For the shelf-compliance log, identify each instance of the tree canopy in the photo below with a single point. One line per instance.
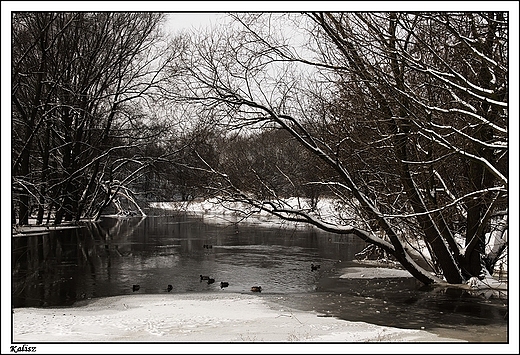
(407, 112)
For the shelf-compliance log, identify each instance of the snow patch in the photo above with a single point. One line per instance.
(229, 317)
(372, 273)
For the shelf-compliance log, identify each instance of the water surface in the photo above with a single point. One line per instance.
(108, 258)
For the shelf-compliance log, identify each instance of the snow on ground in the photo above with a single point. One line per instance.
(197, 317)
(33, 229)
(218, 322)
(372, 272)
(215, 208)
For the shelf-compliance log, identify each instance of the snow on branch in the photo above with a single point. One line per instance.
(440, 140)
(452, 110)
(453, 203)
(470, 43)
(499, 145)
(461, 210)
(443, 77)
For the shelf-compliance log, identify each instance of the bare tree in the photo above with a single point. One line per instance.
(409, 110)
(79, 82)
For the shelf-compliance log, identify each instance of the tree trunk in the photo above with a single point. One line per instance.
(44, 176)
(65, 207)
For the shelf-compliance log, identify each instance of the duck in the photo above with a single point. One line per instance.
(203, 278)
(314, 267)
(224, 284)
(207, 246)
(256, 289)
(210, 281)
(135, 288)
(170, 287)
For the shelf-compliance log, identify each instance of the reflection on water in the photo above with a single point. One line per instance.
(405, 303)
(107, 258)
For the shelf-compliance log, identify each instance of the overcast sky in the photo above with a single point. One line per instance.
(180, 21)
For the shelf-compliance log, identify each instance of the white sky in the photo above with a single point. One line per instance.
(190, 20)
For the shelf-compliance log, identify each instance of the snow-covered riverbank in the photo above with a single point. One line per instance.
(217, 322)
(215, 207)
(215, 317)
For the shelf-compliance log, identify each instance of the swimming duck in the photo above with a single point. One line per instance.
(207, 246)
(314, 267)
(203, 278)
(256, 289)
(135, 288)
(170, 287)
(210, 281)
(224, 284)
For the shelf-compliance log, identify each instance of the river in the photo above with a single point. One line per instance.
(107, 258)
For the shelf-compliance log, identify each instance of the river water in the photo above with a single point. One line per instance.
(108, 258)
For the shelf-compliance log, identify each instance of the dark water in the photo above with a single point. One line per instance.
(107, 258)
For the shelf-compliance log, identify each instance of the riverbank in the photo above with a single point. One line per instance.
(212, 321)
(196, 317)
(216, 318)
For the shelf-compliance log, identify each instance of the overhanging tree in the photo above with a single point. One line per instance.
(408, 110)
